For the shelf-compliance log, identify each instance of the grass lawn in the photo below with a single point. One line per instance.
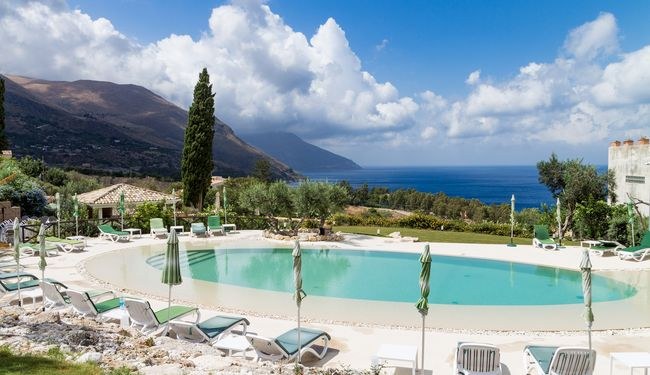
(50, 364)
(428, 235)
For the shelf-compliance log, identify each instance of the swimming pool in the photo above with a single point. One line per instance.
(393, 276)
(248, 276)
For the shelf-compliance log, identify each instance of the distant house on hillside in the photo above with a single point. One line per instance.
(107, 199)
(630, 162)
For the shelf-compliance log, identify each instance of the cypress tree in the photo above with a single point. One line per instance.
(4, 144)
(196, 163)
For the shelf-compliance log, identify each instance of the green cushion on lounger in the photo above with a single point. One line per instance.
(110, 304)
(174, 312)
(289, 340)
(11, 287)
(543, 355)
(217, 324)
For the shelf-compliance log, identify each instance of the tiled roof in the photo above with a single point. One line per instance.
(132, 194)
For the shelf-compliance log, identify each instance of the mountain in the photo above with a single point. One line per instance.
(300, 155)
(106, 127)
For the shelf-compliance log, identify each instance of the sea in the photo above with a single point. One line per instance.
(489, 184)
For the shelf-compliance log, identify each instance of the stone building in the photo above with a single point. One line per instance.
(630, 162)
(106, 200)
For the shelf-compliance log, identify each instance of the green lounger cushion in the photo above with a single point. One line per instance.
(214, 222)
(174, 312)
(12, 287)
(543, 355)
(547, 241)
(288, 341)
(107, 305)
(63, 240)
(106, 228)
(541, 233)
(217, 324)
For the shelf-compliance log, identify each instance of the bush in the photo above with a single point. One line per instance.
(148, 210)
(55, 176)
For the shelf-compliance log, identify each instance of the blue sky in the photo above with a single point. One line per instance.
(428, 43)
(381, 82)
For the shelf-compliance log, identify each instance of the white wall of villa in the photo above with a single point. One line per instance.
(630, 162)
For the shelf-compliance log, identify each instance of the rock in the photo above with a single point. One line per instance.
(395, 235)
(46, 317)
(82, 338)
(209, 363)
(93, 357)
(168, 369)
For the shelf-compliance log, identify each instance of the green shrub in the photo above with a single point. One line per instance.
(145, 211)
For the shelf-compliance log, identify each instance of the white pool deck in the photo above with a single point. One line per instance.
(355, 344)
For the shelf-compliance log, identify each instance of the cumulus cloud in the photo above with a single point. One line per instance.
(627, 81)
(574, 99)
(267, 76)
(599, 37)
(473, 77)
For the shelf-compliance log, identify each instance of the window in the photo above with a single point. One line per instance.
(635, 179)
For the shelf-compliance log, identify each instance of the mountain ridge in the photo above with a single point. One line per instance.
(113, 127)
(301, 155)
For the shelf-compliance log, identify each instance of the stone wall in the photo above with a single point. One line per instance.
(7, 212)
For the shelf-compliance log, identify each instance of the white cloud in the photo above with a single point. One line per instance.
(267, 76)
(473, 77)
(264, 73)
(599, 37)
(627, 81)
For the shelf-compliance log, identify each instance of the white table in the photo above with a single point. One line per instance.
(404, 353)
(236, 344)
(631, 360)
(178, 228)
(229, 227)
(133, 231)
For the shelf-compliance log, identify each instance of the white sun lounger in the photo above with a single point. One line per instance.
(285, 346)
(210, 330)
(563, 360)
(477, 359)
(147, 321)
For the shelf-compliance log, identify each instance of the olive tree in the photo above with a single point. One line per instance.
(319, 200)
(574, 183)
(273, 201)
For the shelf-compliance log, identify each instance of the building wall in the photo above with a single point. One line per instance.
(630, 162)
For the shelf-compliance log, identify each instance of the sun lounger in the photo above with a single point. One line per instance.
(108, 232)
(285, 346)
(91, 305)
(66, 245)
(214, 225)
(637, 253)
(197, 229)
(477, 359)
(605, 246)
(542, 239)
(10, 282)
(553, 360)
(35, 248)
(157, 227)
(148, 321)
(210, 330)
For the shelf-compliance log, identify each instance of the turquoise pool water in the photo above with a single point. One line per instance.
(390, 276)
